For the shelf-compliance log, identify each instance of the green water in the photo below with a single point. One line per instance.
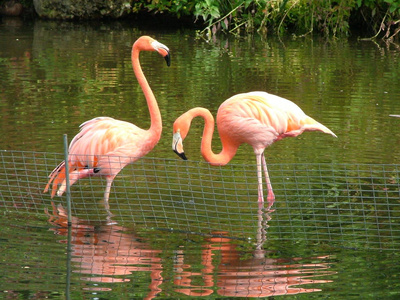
(113, 262)
(54, 76)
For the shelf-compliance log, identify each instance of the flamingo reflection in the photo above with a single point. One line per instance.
(257, 276)
(232, 272)
(110, 254)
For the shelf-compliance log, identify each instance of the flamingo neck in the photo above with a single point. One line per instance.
(155, 115)
(228, 149)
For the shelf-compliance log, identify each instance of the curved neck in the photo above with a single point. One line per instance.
(228, 149)
(155, 115)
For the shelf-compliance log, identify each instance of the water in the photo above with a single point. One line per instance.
(54, 76)
(113, 262)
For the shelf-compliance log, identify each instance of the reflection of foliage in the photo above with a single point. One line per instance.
(334, 191)
(74, 85)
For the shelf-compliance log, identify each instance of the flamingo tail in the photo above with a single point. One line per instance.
(310, 125)
(58, 177)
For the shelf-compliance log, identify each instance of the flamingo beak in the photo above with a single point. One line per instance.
(168, 59)
(163, 50)
(181, 155)
(177, 145)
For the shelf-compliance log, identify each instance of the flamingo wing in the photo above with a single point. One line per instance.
(255, 119)
(105, 136)
(259, 119)
(103, 143)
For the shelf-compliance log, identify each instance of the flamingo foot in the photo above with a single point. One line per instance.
(110, 221)
(260, 202)
(270, 198)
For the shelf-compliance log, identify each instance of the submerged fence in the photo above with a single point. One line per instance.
(355, 205)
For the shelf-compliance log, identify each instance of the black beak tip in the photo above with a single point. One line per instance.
(181, 155)
(168, 59)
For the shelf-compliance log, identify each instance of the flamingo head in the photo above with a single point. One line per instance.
(177, 145)
(146, 43)
(180, 131)
(162, 50)
(182, 125)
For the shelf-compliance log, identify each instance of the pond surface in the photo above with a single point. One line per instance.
(54, 76)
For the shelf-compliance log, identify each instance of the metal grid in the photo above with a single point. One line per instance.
(337, 204)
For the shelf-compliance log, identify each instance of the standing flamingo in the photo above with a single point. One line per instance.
(255, 118)
(104, 146)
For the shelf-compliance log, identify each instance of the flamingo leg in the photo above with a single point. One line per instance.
(259, 178)
(109, 180)
(271, 196)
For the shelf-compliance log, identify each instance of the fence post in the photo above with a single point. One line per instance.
(68, 191)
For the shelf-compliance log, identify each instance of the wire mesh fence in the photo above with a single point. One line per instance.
(340, 204)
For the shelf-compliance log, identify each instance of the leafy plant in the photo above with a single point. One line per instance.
(383, 16)
(329, 18)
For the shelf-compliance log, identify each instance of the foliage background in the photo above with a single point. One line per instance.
(328, 18)
(372, 18)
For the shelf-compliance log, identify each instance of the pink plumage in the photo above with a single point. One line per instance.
(256, 118)
(104, 146)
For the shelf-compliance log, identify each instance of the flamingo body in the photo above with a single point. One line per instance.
(104, 136)
(256, 118)
(104, 146)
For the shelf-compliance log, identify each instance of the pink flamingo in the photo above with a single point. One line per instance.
(255, 118)
(104, 146)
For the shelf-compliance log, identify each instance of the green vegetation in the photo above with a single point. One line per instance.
(379, 18)
(331, 18)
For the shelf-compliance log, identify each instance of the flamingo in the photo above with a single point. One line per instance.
(255, 118)
(104, 146)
